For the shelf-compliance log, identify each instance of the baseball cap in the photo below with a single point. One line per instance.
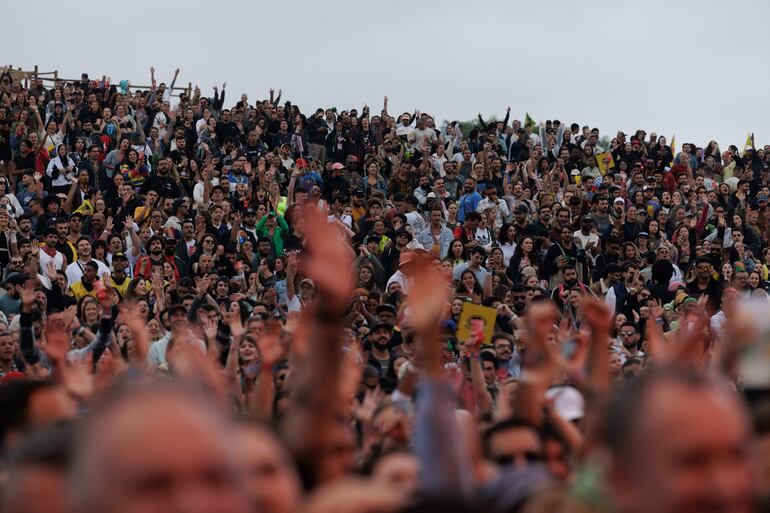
(522, 209)
(15, 279)
(336, 166)
(120, 255)
(380, 325)
(308, 282)
(619, 200)
(567, 401)
(402, 232)
(386, 308)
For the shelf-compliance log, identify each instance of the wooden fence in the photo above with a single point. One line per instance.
(53, 76)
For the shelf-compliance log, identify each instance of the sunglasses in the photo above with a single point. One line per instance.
(508, 459)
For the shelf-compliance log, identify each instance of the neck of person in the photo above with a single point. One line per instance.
(380, 354)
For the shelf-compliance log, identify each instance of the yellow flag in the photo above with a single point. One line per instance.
(748, 144)
(673, 149)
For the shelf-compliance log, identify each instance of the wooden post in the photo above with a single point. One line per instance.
(35, 72)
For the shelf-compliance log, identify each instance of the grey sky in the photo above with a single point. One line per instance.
(697, 69)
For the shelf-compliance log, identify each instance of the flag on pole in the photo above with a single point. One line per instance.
(748, 144)
(673, 149)
(529, 121)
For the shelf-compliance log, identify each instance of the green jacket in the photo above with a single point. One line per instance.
(279, 235)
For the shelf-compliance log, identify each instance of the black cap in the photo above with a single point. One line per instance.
(15, 279)
(387, 308)
(120, 255)
(403, 232)
(379, 324)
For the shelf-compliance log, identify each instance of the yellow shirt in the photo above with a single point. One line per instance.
(121, 288)
(79, 291)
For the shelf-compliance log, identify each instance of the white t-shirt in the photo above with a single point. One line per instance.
(74, 271)
(58, 260)
(585, 240)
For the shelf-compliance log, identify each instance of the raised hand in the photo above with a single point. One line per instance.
(233, 320)
(210, 329)
(57, 343)
(269, 344)
(28, 295)
(330, 263)
(50, 271)
(135, 321)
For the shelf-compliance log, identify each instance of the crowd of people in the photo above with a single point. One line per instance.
(216, 305)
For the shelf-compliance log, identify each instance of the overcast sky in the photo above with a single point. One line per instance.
(698, 69)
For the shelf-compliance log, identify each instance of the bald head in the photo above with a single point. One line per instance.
(157, 450)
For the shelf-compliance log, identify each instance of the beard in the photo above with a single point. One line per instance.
(380, 344)
(570, 283)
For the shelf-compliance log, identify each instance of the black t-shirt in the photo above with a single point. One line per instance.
(5, 140)
(27, 162)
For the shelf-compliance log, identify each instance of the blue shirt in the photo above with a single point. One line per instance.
(467, 203)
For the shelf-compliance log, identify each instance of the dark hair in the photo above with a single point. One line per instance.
(502, 236)
(15, 397)
(504, 425)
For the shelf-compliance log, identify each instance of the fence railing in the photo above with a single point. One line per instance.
(53, 77)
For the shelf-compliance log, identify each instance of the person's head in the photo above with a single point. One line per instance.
(380, 335)
(37, 471)
(155, 245)
(472, 220)
(629, 335)
(478, 255)
(667, 453)
(83, 247)
(570, 276)
(90, 272)
(186, 462)
(178, 316)
(270, 478)
(513, 442)
(503, 347)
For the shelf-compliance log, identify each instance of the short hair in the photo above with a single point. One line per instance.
(630, 324)
(478, 251)
(504, 425)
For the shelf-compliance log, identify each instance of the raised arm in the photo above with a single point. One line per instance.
(312, 416)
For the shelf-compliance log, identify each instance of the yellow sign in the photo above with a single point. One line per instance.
(605, 162)
(473, 313)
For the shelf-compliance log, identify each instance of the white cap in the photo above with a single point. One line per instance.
(567, 401)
